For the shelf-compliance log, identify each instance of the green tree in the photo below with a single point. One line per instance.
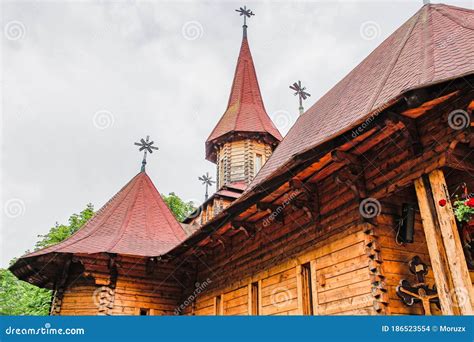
(21, 298)
(61, 232)
(178, 207)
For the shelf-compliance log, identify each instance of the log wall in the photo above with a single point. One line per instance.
(340, 280)
(235, 160)
(395, 257)
(138, 289)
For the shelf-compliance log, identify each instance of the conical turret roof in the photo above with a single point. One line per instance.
(245, 113)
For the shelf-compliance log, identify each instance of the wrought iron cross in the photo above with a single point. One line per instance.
(206, 180)
(246, 13)
(302, 94)
(145, 146)
(420, 291)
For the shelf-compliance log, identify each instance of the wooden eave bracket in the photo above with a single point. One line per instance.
(220, 239)
(150, 265)
(352, 175)
(272, 208)
(309, 201)
(410, 132)
(247, 228)
(113, 270)
(459, 158)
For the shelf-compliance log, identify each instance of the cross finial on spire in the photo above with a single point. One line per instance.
(145, 146)
(247, 13)
(206, 180)
(302, 94)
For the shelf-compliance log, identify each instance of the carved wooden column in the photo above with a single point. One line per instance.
(444, 246)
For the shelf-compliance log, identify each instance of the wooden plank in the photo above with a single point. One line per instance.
(314, 287)
(452, 243)
(299, 287)
(435, 247)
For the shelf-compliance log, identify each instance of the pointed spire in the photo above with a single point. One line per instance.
(245, 113)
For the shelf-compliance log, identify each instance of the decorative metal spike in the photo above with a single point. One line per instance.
(302, 94)
(146, 146)
(207, 181)
(246, 13)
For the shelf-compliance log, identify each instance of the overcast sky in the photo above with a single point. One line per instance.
(82, 81)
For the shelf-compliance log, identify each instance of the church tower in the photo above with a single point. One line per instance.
(245, 137)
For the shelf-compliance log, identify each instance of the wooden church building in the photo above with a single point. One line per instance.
(351, 213)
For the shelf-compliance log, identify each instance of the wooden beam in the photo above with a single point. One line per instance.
(272, 208)
(435, 246)
(339, 156)
(463, 289)
(410, 132)
(248, 228)
(355, 182)
(220, 239)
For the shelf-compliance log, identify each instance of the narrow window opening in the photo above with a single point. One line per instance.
(219, 305)
(254, 288)
(258, 162)
(144, 312)
(307, 289)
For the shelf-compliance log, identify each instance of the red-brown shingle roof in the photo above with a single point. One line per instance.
(434, 45)
(245, 111)
(136, 221)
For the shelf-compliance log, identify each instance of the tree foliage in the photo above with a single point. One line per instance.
(178, 207)
(21, 298)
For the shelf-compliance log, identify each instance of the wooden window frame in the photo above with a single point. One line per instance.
(219, 305)
(254, 298)
(307, 288)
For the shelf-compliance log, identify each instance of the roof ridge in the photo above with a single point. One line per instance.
(253, 97)
(426, 43)
(442, 10)
(129, 210)
(394, 60)
(160, 202)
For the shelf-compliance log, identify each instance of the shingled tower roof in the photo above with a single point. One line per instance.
(136, 221)
(245, 113)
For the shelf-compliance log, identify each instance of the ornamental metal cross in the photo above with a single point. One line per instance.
(420, 291)
(247, 13)
(145, 146)
(302, 94)
(206, 180)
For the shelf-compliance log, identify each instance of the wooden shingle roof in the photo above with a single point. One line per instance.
(136, 221)
(435, 45)
(245, 111)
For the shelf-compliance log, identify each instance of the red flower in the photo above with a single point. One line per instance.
(442, 202)
(470, 202)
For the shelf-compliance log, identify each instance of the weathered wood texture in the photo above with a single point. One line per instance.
(396, 255)
(359, 277)
(151, 288)
(340, 259)
(235, 160)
